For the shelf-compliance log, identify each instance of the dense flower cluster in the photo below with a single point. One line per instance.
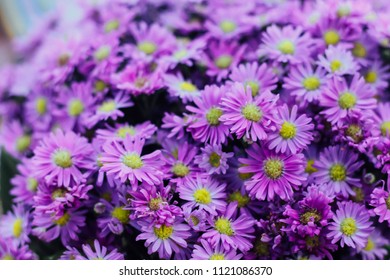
(201, 130)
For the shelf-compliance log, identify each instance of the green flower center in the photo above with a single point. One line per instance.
(355, 132)
(75, 107)
(223, 226)
(331, 37)
(348, 226)
(359, 195)
(311, 215)
(140, 82)
(17, 229)
(388, 202)
(63, 220)
(337, 172)
(251, 112)
(311, 83)
(180, 54)
(371, 77)
(180, 170)
(102, 53)
(154, 203)
(126, 130)
(224, 61)
(312, 242)
(62, 158)
(107, 106)
(261, 248)
(41, 105)
(194, 220)
(286, 47)
(215, 159)
(335, 65)
(242, 200)
(202, 196)
(32, 184)
(359, 50)
(217, 257)
(255, 87)
(288, 130)
(370, 245)
(273, 168)
(58, 193)
(23, 143)
(147, 47)
(100, 86)
(111, 25)
(163, 232)
(7, 257)
(213, 116)
(121, 214)
(385, 128)
(132, 160)
(189, 87)
(347, 100)
(63, 59)
(227, 26)
(310, 169)
(343, 11)
(244, 176)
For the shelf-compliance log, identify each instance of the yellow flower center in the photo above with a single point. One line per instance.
(111, 25)
(337, 172)
(355, 132)
(311, 215)
(180, 54)
(62, 158)
(348, 226)
(371, 77)
(107, 106)
(63, 220)
(100, 86)
(331, 37)
(255, 87)
(347, 100)
(180, 170)
(132, 160)
(213, 116)
(359, 195)
(244, 176)
(17, 228)
(286, 47)
(311, 83)
(154, 203)
(147, 47)
(202, 196)
(189, 87)
(23, 143)
(388, 202)
(194, 220)
(335, 65)
(63, 59)
(126, 130)
(217, 257)
(288, 130)
(359, 50)
(41, 105)
(215, 159)
(227, 26)
(309, 167)
(224, 61)
(7, 257)
(75, 107)
(370, 245)
(385, 128)
(32, 184)
(121, 214)
(343, 11)
(242, 200)
(102, 53)
(163, 232)
(273, 168)
(224, 226)
(251, 112)
(58, 193)
(312, 242)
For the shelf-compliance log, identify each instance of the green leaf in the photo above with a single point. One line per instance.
(7, 171)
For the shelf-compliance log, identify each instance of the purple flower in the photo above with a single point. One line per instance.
(351, 225)
(121, 131)
(179, 87)
(11, 251)
(380, 199)
(122, 160)
(25, 185)
(272, 173)
(99, 252)
(375, 247)
(337, 61)
(208, 252)
(213, 159)
(16, 225)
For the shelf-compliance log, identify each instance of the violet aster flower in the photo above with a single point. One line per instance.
(273, 173)
(123, 160)
(375, 247)
(351, 225)
(247, 115)
(293, 131)
(15, 139)
(306, 83)
(16, 225)
(311, 216)
(229, 231)
(259, 77)
(39, 108)
(207, 127)
(164, 239)
(381, 119)
(99, 252)
(380, 199)
(25, 185)
(121, 131)
(206, 251)
(336, 166)
(179, 87)
(11, 251)
(213, 159)
(341, 100)
(338, 61)
(203, 193)
(63, 157)
(177, 125)
(376, 74)
(287, 44)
